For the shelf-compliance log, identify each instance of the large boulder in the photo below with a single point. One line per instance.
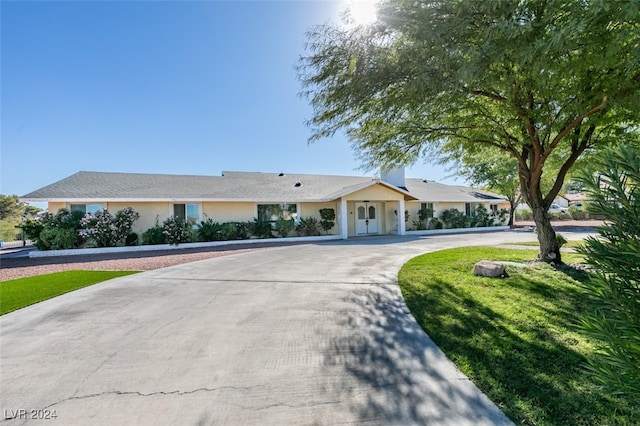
(486, 268)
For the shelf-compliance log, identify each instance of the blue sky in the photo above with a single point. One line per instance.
(161, 87)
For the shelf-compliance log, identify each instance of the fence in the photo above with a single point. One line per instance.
(14, 244)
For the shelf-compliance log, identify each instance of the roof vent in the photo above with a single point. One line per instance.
(298, 184)
(280, 174)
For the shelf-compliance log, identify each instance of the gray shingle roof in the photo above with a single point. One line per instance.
(430, 191)
(236, 186)
(231, 186)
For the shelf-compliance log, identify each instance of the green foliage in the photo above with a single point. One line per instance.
(285, 227)
(524, 214)
(55, 232)
(308, 227)
(425, 214)
(453, 218)
(514, 338)
(131, 239)
(209, 230)
(10, 207)
(327, 219)
(154, 235)
(419, 225)
(561, 240)
(540, 81)
(261, 228)
(176, 230)
(53, 238)
(18, 293)
(613, 314)
(482, 218)
(107, 230)
(435, 223)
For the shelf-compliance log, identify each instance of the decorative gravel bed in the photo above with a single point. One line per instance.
(11, 268)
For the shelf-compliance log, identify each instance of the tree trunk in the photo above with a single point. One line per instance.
(549, 248)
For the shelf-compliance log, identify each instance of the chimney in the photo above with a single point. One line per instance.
(394, 177)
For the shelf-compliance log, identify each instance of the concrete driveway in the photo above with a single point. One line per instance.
(298, 335)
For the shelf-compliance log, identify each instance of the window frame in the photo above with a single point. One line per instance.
(86, 208)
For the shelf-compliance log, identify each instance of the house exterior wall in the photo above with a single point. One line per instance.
(148, 213)
(229, 211)
(313, 210)
(374, 193)
(54, 207)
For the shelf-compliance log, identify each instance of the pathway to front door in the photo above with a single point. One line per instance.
(367, 222)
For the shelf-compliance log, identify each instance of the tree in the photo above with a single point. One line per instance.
(614, 293)
(10, 207)
(492, 169)
(536, 79)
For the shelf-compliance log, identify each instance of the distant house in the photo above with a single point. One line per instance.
(363, 205)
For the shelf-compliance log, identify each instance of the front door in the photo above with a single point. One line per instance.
(367, 221)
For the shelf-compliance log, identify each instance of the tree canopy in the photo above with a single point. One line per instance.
(534, 79)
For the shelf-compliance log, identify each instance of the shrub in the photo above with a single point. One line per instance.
(435, 223)
(131, 239)
(453, 218)
(209, 230)
(32, 228)
(261, 228)
(284, 227)
(524, 214)
(229, 231)
(176, 230)
(308, 227)
(419, 225)
(55, 238)
(243, 230)
(107, 230)
(327, 219)
(482, 217)
(154, 235)
(613, 317)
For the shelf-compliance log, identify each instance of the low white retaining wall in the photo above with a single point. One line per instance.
(458, 230)
(157, 247)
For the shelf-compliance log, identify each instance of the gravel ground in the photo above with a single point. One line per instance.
(19, 267)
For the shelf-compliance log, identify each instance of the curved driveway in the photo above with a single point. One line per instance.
(297, 335)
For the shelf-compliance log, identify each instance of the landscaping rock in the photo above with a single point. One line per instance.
(486, 268)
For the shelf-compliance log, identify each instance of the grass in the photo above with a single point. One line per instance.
(568, 244)
(21, 292)
(515, 338)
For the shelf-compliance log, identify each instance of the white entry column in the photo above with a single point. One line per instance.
(401, 223)
(343, 217)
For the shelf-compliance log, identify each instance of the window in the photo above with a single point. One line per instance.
(273, 212)
(86, 208)
(372, 212)
(187, 212)
(361, 213)
(428, 209)
(494, 208)
(467, 209)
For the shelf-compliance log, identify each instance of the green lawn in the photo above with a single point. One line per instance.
(16, 294)
(514, 337)
(568, 244)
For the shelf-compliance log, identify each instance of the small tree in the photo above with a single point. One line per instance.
(176, 230)
(614, 317)
(110, 231)
(327, 219)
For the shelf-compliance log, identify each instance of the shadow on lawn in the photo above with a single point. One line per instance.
(396, 373)
(528, 369)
